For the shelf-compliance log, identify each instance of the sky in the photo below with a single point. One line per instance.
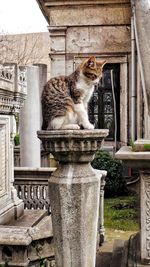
(21, 16)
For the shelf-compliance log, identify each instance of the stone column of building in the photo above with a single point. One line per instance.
(74, 190)
(45, 161)
(30, 121)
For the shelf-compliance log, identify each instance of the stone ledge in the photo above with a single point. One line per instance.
(26, 230)
(26, 245)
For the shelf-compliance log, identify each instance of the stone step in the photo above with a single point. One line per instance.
(24, 245)
(30, 218)
(104, 254)
(118, 248)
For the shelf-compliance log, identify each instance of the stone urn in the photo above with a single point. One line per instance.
(74, 190)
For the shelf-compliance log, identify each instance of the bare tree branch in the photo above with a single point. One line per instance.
(22, 49)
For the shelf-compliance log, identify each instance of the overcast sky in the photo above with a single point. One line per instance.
(21, 16)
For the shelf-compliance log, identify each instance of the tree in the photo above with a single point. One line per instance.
(22, 49)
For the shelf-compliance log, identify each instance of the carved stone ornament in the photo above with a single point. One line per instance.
(13, 88)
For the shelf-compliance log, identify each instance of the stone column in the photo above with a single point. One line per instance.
(74, 190)
(58, 50)
(42, 82)
(139, 157)
(30, 121)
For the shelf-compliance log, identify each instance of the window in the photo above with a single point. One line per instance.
(101, 106)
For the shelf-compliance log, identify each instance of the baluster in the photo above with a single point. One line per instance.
(35, 196)
(101, 209)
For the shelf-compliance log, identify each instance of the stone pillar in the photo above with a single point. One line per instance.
(139, 157)
(74, 190)
(58, 50)
(42, 82)
(30, 121)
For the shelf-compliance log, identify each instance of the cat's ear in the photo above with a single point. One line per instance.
(101, 63)
(91, 61)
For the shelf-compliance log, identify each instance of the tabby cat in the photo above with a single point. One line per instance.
(65, 98)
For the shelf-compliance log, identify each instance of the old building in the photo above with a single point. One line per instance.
(101, 28)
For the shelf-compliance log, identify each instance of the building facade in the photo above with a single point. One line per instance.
(79, 29)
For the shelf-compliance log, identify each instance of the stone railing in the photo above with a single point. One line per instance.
(32, 186)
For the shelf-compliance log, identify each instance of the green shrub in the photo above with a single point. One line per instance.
(17, 139)
(115, 182)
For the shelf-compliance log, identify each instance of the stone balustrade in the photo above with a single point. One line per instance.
(32, 186)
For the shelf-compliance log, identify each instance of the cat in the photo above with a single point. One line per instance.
(65, 98)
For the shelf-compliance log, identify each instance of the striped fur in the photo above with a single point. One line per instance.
(64, 98)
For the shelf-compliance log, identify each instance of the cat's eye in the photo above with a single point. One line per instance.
(91, 64)
(94, 76)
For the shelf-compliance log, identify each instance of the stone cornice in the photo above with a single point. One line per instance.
(52, 3)
(46, 5)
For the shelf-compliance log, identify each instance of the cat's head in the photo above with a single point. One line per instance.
(92, 69)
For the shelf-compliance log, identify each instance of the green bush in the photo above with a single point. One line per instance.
(17, 139)
(115, 182)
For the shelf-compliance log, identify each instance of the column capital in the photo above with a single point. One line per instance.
(73, 145)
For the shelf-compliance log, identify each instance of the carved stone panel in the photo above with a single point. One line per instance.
(4, 146)
(106, 39)
(145, 216)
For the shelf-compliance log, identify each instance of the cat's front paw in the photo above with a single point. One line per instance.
(88, 126)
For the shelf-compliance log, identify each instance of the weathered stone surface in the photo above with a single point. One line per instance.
(10, 205)
(134, 159)
(74, 194)
(142, 13)
(141, 160)
(74, 201)
(95, 15)
(141, 145)
(71, 145)
(30, 218)
(27, 241)
(12, 96)
(30, 121)
(98, 39)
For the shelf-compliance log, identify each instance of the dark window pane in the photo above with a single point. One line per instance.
(101, 106)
